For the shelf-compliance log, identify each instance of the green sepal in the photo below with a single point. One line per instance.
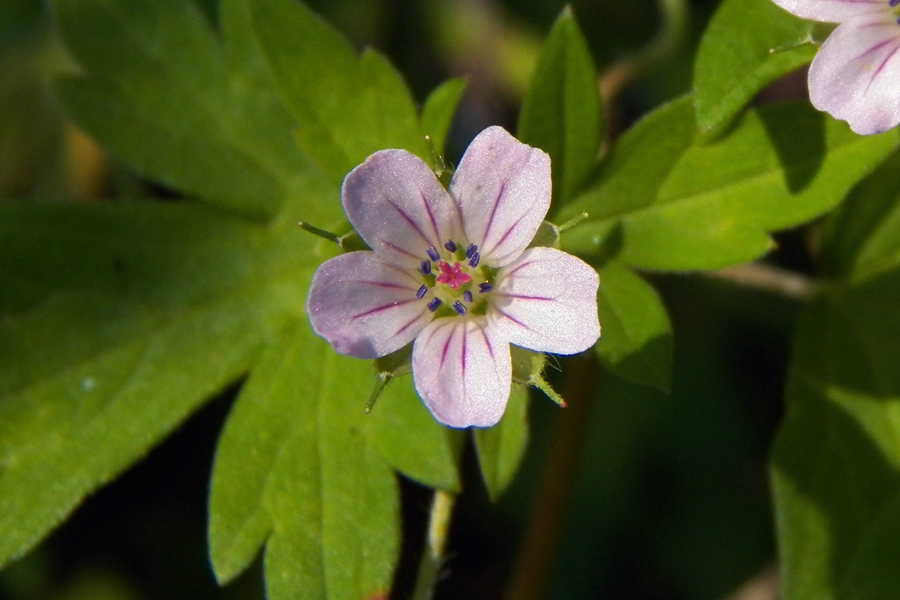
(528, 368)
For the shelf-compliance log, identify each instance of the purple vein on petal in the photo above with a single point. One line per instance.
(459, 211)
(434, 225)
(518, 268)
(405, 273)
(877, 46)
(487, 344)
(397, 248)
(490, 222)
(446, 348)
(513, 319)
(383, 285)
(521, 297)
(407, 326)
(881, 66)
(463, 352)
(504, 236)
(381, 308)
(409, 220)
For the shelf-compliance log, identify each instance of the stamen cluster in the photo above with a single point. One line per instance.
(450, 277)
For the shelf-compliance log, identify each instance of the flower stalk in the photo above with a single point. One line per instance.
(433, 556)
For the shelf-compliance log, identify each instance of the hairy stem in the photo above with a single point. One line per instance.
(433, 557)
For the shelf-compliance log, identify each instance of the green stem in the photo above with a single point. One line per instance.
(770, 279)
(319, 232)
(433, 557)
(667, 41)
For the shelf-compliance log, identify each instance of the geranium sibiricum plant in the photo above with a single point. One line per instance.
(450, 271)
(855, 76)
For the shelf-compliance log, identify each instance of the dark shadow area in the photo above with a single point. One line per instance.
(610, 245)
(655, 356)
(799, 141)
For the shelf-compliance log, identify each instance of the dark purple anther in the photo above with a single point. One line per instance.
(425, 267)
(459, 308)
(473, 260)
(433, 304)
(473, 248)
(467, 296)
(485, 287)
(450, 245)
(893, 2)
(421, 293)
(432, 254)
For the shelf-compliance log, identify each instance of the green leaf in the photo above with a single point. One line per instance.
(438, 111)
(561, 113)
(636, 340)
(346, 107)
(164, 94)
(862, 237)
(410, 440)
(663, 201)
(836, 461)
(501, 448)
(123, 320)
(295, 469)
(747, 45)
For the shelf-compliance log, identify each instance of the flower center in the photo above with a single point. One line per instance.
(452, 277)
(453, 280)
(893, 4)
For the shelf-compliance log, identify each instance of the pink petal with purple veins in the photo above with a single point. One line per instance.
(365, 307)
(855, 76)
(832, 11)
(502, 187)
(547, 301)
(462, 371)
(398, 207)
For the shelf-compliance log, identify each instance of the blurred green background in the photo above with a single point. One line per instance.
(666, 498)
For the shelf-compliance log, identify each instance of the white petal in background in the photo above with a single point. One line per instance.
(503, 190)
(855, 76)
(547, 301)
(832, 11)
(364, 307)
(462, 371)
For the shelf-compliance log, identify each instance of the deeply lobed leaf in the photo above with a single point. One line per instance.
(112, 338)
(291, 467)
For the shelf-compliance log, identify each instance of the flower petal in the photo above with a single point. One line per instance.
(502, 187)
(462, 371)
(831, 11)
(547, 301)
(398, 207)
(856, 74)
(365, 307)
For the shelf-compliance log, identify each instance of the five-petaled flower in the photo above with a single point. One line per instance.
(855, 76)
(451, 272)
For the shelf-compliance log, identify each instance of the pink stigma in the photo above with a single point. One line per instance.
(452, 276)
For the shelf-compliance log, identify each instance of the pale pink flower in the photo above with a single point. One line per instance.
(450, 272)
(855, 76)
